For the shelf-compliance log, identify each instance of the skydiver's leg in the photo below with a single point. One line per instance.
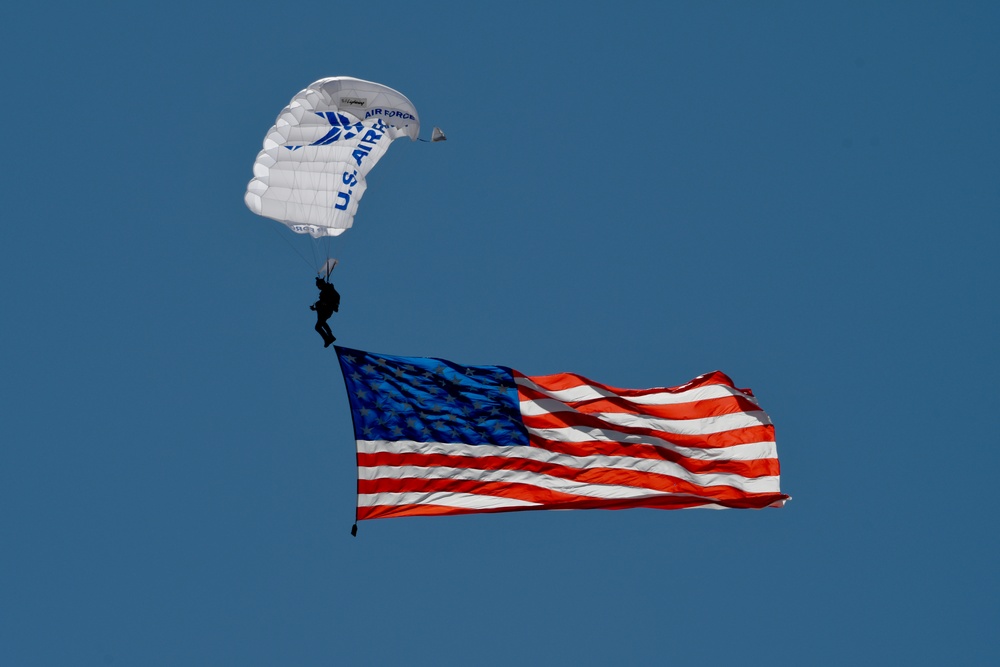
(323, 328)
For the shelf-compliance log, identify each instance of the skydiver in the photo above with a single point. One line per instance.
(327, 305)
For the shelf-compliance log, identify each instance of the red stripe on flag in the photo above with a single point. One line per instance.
(748, 469)
(560, 381)
(758, 501)
(742, 436)
(533, 492)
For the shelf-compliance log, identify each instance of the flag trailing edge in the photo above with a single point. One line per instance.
(438, 438)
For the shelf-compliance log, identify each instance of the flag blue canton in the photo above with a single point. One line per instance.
(431, 400)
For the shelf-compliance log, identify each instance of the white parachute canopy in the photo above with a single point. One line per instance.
(310, 175)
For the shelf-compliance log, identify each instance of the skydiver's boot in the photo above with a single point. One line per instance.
(329, 341)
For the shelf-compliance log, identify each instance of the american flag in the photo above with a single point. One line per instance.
(435, 437)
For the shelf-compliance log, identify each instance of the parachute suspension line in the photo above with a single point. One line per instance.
(294, 249)
(313, 247)
(327, 249)
(329, 243)
(341, 246)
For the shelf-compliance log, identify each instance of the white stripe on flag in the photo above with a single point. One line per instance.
(765, 484)
(697, 426)
(442, 498)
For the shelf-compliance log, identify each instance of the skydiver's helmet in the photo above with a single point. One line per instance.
(320, 282)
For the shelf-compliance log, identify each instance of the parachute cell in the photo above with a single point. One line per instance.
(311, 172)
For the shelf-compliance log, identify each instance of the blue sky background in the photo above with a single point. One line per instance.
(805, 198)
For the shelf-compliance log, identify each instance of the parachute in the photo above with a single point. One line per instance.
(311, 172)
